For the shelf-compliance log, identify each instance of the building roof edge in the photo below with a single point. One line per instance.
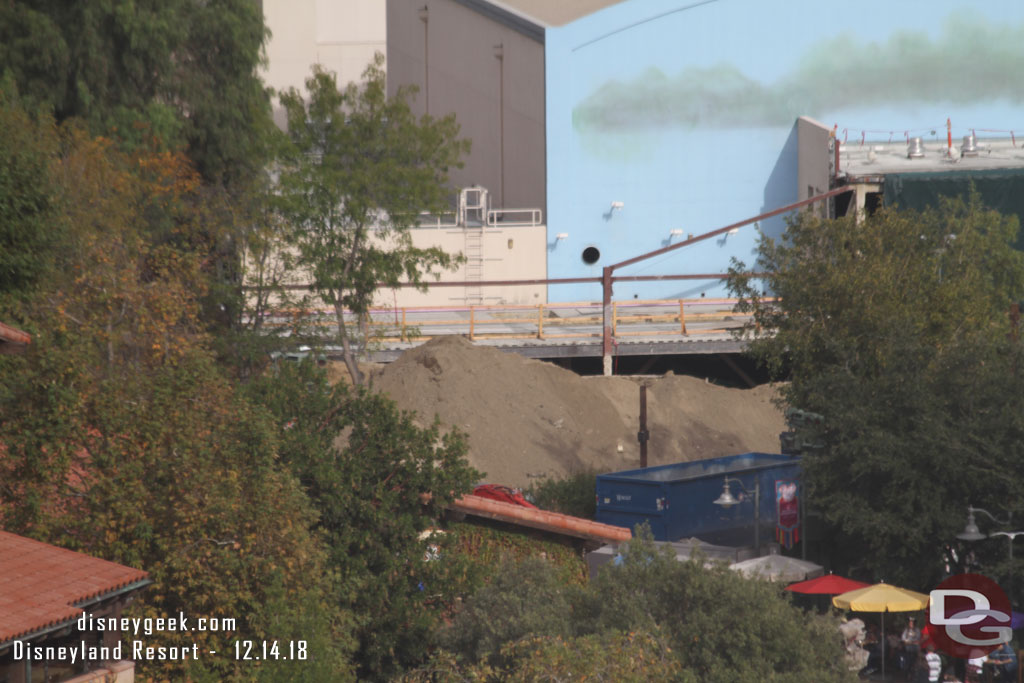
(528, 26)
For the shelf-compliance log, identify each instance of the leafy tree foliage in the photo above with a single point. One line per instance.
(721, 626)
(119, 437)
(525, 598)
(180, 70)
(174, 75)
(29, 226)
(635, 657)
(690, 622)
(359, 171)
(377, 480)
(896, 331)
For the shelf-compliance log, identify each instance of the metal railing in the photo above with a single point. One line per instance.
(438, 220)
(513, 217)
(552, 321)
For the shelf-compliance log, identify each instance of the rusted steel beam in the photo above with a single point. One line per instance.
(606, 314)
(727, 228)
(643, 435)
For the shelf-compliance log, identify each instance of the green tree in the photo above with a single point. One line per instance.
(182, 71)
(360, 169)
(30, 225)
(121, 438)
(895, 329)
(526, 598)
(691, 622)
(174, 75)
(377, 480)
(635, 657)
(721, 626)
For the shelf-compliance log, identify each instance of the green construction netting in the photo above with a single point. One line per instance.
(1000, 189)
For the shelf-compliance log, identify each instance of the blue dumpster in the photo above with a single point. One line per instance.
(678, 500)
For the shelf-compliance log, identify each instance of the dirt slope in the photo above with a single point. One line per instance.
(527, 419)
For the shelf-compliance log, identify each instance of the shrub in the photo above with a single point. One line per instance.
(570, 495)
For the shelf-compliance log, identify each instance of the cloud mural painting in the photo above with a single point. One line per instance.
(969, 62)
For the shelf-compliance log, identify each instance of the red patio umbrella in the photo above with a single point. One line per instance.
(830, 584)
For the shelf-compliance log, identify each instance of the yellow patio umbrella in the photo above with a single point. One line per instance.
(883, 598)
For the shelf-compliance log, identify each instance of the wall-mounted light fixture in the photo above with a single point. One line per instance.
(561, 236)
(676, 232)
(727, 500)
(734, 231)
(617, 205)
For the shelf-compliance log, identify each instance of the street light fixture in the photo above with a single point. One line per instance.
(727, 500)
(971, 532)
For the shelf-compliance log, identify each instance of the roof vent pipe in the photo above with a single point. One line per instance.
(915, 148)
(970, 146)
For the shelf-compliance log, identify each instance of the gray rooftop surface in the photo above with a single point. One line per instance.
(879, 159)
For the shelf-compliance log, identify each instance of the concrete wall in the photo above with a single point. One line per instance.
(512, 253)
(491, 77)
(505, 253)
(684, 111)
(341, 35)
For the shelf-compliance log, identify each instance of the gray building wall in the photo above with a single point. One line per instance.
(491, 76)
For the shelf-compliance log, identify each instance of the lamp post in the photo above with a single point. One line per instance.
(971, 532)
(727, 500)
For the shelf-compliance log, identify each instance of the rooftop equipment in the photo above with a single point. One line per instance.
(915, 148)
(970, 146)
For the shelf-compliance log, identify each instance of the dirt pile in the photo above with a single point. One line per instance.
(528, 419)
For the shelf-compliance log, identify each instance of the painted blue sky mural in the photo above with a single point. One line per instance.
(684, 111)
(971, 61)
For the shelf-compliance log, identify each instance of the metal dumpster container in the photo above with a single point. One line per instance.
(678, 500)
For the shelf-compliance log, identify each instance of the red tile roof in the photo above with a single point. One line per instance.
(40, 584)
(554, 522)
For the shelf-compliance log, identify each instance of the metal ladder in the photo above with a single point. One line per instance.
(474, 251)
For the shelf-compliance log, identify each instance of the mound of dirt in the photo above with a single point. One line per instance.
(528, 419)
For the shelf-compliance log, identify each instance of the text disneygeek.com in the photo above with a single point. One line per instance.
(137, 649)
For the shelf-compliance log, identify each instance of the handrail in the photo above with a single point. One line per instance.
(494, 216)
(437, 220)
(576, 320)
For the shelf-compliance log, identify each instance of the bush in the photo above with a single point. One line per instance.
(723, 627)
(649, 618)
(570, 495)
(525, 598)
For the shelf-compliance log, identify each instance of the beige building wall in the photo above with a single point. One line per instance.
(492, 253)
(506, 253)
(340, 35)
(491, 77)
